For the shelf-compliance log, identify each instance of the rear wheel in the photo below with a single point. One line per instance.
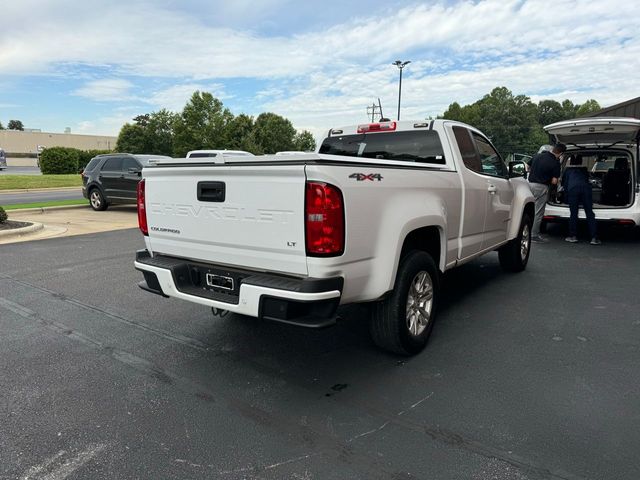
(97, 200)
(514, 256)
(402, 322)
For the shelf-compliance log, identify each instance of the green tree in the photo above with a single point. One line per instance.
(15, 125)
(159, 132)
(152, 133)
(570, 110)
(239, 134)
(1, 127)
(550, 111)
(590, 106)
(201, 125)
(273, 133)
(131, 139)
(509, 121)
(304, 141)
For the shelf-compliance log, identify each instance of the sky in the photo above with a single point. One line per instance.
(94, 65)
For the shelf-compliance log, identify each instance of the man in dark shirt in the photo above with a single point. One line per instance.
(544, 170)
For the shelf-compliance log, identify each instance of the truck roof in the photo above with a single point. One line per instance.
(391, 126)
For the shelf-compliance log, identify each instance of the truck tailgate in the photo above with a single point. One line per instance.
(242, 215)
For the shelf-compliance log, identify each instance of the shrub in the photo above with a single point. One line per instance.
(59, 160)
(85, 156)
(3, 215)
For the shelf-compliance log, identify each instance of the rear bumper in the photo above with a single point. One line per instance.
(300, 301)
(625, 216)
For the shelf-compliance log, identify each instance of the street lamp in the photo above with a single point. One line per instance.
(400, 65)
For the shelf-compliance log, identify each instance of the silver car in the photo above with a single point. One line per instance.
(3, 159)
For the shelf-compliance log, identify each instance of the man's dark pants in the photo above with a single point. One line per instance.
(581, 195)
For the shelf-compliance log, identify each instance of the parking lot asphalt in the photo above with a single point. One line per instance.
(527, 376)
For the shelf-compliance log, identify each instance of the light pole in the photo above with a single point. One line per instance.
(400, 65)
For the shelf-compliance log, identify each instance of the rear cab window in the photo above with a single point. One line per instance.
(409, 146)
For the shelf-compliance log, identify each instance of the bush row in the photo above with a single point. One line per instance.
(3, 215)
(63, 160)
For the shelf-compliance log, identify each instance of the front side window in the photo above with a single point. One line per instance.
(468, 151)
(419, 147)
(491, 162)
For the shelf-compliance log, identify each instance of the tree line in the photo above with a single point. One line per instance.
(13, 125)
(513, 122)
(205, 123)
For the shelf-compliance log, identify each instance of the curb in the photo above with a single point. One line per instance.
(46, 209)
(35, 227)
(44, 189)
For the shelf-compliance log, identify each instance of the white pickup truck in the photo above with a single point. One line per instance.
(377, 215)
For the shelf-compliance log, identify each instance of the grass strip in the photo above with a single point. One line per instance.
(52, 203)
(12, 182)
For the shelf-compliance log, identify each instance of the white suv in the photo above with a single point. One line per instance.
(609, 150)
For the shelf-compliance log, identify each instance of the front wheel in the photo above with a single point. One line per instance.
(403, 321)
(514, 256)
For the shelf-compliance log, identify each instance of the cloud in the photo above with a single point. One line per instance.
(327, 75)
(106, 90)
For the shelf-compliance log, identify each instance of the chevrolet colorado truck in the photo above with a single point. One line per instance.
(376, 215)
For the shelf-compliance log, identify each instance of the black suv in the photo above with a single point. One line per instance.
(113, 178)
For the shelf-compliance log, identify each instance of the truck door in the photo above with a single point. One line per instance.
(499, 189)
(475, 194)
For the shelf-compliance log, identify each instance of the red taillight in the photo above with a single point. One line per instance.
(324, 220)
(142, 211)
(377, 127)
(626, 221)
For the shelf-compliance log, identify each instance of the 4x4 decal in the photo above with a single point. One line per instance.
(361, 177)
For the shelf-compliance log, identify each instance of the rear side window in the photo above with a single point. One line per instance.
(112, 165)
(420, 147)
(128, 163)
(92, 164)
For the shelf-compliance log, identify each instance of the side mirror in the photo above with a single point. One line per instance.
(517, 169)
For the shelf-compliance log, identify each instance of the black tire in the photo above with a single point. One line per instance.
(97, 200)
(391, 319)
(514, 256)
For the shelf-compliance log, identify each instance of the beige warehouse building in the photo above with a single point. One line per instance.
(22, 147)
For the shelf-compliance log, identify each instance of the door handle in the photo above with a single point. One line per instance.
(492, 189)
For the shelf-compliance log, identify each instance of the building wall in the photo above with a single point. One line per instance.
(17, 142)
